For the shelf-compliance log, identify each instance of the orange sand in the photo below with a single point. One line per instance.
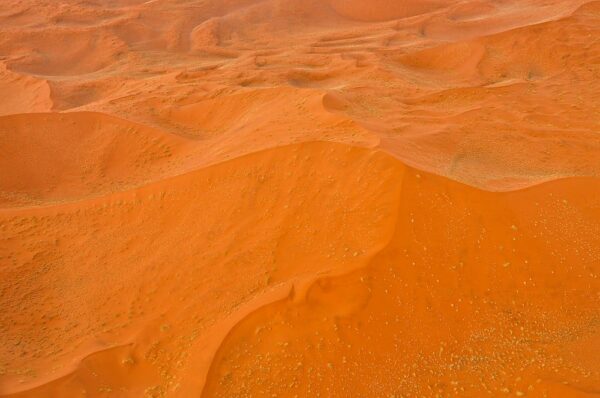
(299, 198)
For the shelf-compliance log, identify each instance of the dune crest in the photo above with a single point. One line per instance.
(385, 10)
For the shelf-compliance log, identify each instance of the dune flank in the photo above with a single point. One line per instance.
(286, 198)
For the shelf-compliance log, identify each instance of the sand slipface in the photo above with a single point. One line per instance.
(292, 198)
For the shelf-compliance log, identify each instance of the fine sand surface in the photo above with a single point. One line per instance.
(300, 198)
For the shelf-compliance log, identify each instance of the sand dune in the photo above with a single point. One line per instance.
(50, 157)
(28, 94)
(259, 198)
(385, 10)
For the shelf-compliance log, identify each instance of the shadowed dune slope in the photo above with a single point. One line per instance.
(476, 294)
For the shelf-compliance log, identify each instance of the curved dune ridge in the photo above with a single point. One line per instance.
(385, 10)
(259, 198)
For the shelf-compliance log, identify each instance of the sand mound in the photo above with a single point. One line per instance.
(52, 157)
(23, 93)
(493, 302)
(237, 221)
(58, 52)
(370, 256)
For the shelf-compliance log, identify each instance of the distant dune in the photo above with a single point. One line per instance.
(299, 198)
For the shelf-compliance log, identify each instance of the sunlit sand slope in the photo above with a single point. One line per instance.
(452, 285)
(81, 278)
(286, 198)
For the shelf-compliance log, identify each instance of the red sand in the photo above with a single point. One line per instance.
(294, 198)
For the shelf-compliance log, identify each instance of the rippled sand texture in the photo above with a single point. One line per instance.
(299, 198)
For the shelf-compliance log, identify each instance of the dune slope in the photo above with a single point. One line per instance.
(259, 198)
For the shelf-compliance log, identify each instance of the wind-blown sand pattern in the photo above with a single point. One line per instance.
(300, 198)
